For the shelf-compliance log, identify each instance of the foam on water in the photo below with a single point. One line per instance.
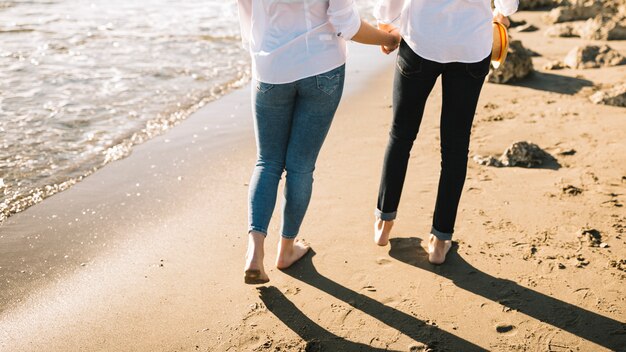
(82, 82)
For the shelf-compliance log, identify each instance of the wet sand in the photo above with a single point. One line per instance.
(155, 242)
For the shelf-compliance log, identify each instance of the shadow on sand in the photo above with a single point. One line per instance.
(551, 82)
(317, 338)
(588, 325)
(323, 340)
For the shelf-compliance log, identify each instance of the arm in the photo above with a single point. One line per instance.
(245, 21)
(387, 13)
(344, 16)
(368, 34)
(504, 8)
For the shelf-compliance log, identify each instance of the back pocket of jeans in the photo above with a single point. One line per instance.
(263, 87)
(328, 82)
(478, 70)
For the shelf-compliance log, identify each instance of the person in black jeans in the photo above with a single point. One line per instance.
(415, 77)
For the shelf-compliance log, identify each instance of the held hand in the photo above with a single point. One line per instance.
(498, 17)
(395, 42)
(394, 38)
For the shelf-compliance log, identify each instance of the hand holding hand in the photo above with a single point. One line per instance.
(394, 40)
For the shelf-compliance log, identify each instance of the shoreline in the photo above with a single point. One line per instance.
(170, 276)
(58, 241)
(71, 227)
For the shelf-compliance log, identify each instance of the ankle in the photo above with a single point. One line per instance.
(383, 222)
(256, 243)
(285, 245)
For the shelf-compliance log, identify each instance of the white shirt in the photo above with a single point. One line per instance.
(294, 39)
(445, 30)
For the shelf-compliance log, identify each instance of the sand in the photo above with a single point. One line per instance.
(147, 254)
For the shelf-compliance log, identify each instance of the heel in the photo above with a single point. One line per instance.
(253, 277)
(382, 232)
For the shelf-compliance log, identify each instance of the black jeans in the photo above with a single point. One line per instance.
(414, 80)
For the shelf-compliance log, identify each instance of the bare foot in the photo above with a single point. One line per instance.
(289, 252)
(254, 273)
(437, 250)
(382, 230)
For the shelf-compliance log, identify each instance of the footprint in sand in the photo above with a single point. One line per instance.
(571, 190)
(383, 261)
(292, 291)
(417, 348)
(369, 288)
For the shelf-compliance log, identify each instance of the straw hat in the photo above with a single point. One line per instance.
(500, 44)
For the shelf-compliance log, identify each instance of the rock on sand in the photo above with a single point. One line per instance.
(615, 96)
(523, 154)
(518, 64)
(591, 56)
(579, 11)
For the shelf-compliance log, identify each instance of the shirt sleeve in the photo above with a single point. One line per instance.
(506, 7)
(389, 11)
(245, 21)
(344, 17)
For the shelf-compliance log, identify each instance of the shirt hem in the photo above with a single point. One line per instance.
(419, 52)
(315, 73)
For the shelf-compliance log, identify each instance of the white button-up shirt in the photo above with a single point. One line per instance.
(294, 39)
(445, 30)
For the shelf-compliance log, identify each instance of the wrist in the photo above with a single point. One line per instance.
(390, 40)
(384, 26)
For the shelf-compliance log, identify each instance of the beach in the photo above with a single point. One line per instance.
(147, 253)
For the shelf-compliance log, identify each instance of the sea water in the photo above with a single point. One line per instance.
(82, 82)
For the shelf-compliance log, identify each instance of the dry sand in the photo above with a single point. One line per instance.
(147, 254)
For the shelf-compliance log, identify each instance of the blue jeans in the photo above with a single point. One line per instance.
(291, 122)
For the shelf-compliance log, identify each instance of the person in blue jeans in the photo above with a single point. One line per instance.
(298, 51)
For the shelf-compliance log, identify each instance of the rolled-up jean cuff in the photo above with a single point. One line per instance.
(442, 236)
(258, 229)
(289, 237)
(385, 216)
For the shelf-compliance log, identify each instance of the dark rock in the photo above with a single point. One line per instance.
(615, 96)
(518, 65)
(522, 154)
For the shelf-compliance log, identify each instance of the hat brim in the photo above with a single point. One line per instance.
(500, 44)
